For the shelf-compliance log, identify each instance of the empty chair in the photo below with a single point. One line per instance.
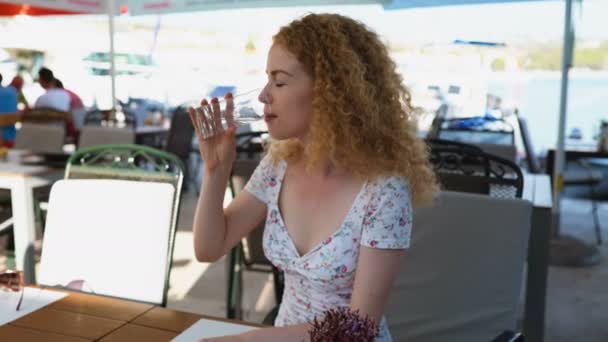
(468, 169)
(179, 140)
(98, 135)
(40, 138)
(508, 152)
(249, 255)
(109, 237)
(462, 275)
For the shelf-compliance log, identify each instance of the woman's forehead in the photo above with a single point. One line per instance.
(281, 59)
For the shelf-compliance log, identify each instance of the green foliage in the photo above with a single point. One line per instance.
(498, 64)
(550, 58)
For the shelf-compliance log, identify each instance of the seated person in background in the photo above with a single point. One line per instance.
(22, 103)
(76, 106)
(55, 98)
(8, 105)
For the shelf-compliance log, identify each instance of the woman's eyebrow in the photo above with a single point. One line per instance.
(273, 73)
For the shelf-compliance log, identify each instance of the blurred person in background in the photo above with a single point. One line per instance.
(17, 83)
(54, 98)
(76, 106)
(8, 105)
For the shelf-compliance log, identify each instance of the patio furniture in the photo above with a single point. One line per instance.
(467, 169)
(249, 255)
(462, 276)
(99, 135)
(567, 250)
(138, 164)
(179, 140)
(40, 138)
(51, 116)
(508, 152)
(80, 317)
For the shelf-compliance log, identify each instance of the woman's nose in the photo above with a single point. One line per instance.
(264, 97)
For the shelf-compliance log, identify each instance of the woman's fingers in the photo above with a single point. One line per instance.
(204, 112)
(194, 119)
(216, 116)
(229, 110)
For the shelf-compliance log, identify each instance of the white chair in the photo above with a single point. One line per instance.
(98, 135)
(461, 278)
(43, 138)
(110, 237)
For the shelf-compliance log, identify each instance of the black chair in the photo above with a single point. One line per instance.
(249, 255)
(468, 169)
(179, 139)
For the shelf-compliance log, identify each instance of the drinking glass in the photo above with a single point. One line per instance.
(247, 109)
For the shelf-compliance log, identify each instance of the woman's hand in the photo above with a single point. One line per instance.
(217, 146)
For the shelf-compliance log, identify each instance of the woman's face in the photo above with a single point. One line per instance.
(287, 96)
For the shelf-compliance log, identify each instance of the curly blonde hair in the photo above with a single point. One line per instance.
(362, 115)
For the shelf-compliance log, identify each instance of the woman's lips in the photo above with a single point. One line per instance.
(269, 117)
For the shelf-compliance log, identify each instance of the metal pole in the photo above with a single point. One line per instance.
(111, 10)
(558, 169)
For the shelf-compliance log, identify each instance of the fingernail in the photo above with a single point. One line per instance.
(214, 100)
(204, 102)
(228, 95)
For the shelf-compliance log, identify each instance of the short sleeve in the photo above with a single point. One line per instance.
(387, 221)
(262, 179)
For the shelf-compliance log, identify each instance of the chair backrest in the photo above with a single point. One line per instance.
(508, 152)
(135, 163)
(472, 170)
(461, 277)
(40, 138)
(179, 139)
(250, 151)
(109, 237)
(532, 161)
(99, 135)
(46, 115)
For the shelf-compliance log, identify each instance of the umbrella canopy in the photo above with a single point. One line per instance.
(11, 9)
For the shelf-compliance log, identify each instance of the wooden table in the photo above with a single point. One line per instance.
(537, 189)
(82, 317)
(572, 155)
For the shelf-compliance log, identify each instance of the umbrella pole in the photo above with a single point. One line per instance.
(566, 250)
(111, 10)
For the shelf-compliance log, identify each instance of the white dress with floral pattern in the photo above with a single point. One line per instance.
(323, 278)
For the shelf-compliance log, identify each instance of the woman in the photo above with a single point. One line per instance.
(337, 187)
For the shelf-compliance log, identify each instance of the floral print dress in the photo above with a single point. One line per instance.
(323, 278)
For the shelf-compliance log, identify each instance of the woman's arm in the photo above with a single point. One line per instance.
(372, 283)
(217, 230)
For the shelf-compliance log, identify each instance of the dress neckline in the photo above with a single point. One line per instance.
(282, 169)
